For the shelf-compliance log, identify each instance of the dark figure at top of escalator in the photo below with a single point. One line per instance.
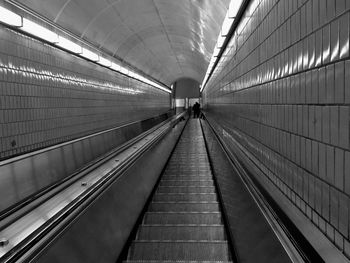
(196, 110)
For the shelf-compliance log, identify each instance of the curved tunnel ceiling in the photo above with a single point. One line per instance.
(166, 39)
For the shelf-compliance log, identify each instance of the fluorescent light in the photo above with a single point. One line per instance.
(90, 55)
(204, 81)
(39, 31)
(166, 90)
(9, 17)
(220, 41)
(132, 74)
(124, 70)
(105, 62)
(226, 26)
(234, 7)
(202, 86)
(68, 45)
(138, 76)
(115, 66)
(216, 52)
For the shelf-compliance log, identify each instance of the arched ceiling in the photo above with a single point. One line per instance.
(166, 39)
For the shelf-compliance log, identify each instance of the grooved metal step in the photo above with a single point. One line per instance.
(182, 218)
(179, 250)
(182, 165)
(187, 171)
(184, 207)
(187, 177)
(186, 189)
(183, 222)
(183, 197)
(175, 261)
(187, 166)
(176, 161)
(184, 232)
(186, 183)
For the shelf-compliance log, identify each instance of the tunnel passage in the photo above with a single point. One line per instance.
(274, 88)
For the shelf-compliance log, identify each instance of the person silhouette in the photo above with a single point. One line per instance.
(196, 110)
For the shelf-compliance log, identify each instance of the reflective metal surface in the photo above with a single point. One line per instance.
(99, 234)
(40, 169)
(31, 228)
(165, 39)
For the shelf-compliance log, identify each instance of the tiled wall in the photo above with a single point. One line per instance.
(282, 91)
(48, 96)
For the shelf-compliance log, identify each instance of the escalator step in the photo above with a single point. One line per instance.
(187, 171)
(191, 160)
(186, 189)
(187, 182)
(175, 163)
(180, 197)
(182, 218)
(184, 207)
(185, 232)
(187, 177)
(187, 165)
(179, 250)
(175, 261)
(183, 222)
(185, 150)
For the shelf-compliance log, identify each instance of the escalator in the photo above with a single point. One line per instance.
(202, 209)
(183, 221)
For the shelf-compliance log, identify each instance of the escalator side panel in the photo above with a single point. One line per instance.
(99, 234)
(41, 169)
(254, 240)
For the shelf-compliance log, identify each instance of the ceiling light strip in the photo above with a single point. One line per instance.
(231, 21)
(10, 18)
(26, 25)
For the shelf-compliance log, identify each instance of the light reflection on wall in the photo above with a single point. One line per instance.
(24, 71)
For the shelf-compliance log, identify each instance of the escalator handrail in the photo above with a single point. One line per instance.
(19, 209)
(295, 253)
(42, 237)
